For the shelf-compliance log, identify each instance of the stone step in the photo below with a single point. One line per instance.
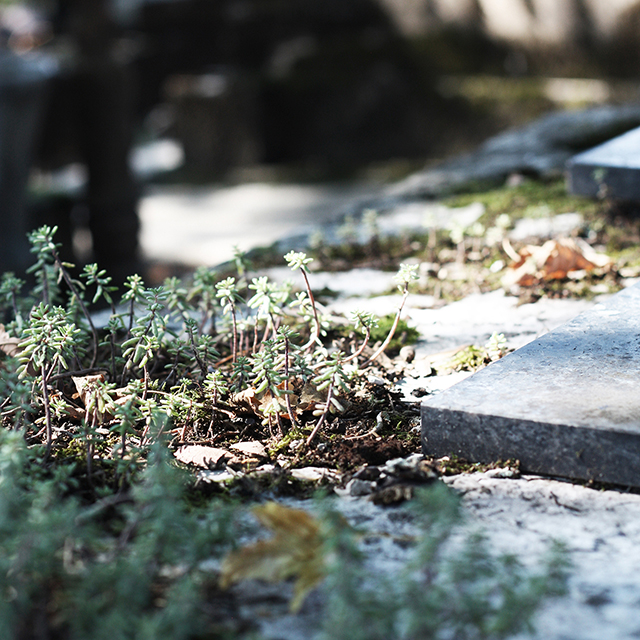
(611, 169)
(566, 404)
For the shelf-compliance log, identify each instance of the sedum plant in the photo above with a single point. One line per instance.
(64, 574)
(166, 348)
(49, 342)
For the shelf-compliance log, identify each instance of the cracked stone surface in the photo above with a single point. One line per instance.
(601, 530)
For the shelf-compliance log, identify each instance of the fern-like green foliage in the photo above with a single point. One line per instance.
(63, 573)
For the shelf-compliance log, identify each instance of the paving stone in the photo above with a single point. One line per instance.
(611, 169)
(566, 404)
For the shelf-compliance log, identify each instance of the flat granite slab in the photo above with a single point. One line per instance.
(566, 404)
(611, 169)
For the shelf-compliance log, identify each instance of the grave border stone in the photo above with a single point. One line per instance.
(581, 419)
(611, 169)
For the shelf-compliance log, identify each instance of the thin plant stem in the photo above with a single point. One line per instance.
(286, 384)
(279, 423)
(312, 300)
(241, 335)
(201, 363)
(212, 422)
(255, 337)
(47, 407)
(131, 315)
(392, 331)
(323, 416)
(45, 286)
(14, 304)
(234, 347)
(112, 340)
(83, 307)
(354, 355)
(267, 332)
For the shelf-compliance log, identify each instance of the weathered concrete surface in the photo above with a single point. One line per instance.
(611, 169)
(566, 404)
(601, 531)
(519, 516)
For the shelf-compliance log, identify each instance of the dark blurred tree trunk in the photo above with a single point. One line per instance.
(99, 93)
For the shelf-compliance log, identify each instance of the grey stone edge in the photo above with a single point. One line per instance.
(542, 448)
(589, 361)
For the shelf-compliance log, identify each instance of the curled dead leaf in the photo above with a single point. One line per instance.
(310, 397)
(88, 391)
(8, 344)
(269, 403)
(247, 400)
(66, 408)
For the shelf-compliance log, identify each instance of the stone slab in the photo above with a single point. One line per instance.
(611, 169)
(541, 148)
(566, 404)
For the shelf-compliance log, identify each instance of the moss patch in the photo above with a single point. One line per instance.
(531, 199)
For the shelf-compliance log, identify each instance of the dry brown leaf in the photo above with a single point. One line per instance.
(86, 387)
(247, 400)
(553, 261)
(266, 402)
(68, 409)
(9, 344)
(200, 456)
(293, 400)
(84, 384)
(252, 448)
(296, 550)
(310, 397)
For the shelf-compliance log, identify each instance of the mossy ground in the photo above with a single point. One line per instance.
(610, 227)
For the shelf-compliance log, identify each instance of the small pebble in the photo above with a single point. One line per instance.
(407, 354)
(502, 473)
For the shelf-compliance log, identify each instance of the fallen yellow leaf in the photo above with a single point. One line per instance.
(296, 550)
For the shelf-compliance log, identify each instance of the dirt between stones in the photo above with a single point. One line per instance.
(351, 454)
